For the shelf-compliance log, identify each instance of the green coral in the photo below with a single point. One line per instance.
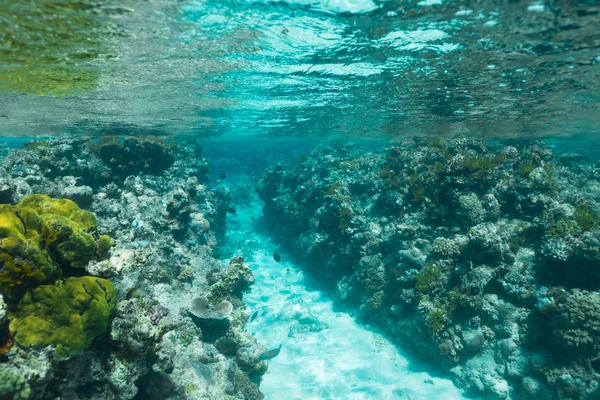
(526, 168)
(563, 228)
(24, 254)
(104, 245)
(436, 321)
(67, 316)
(13, 385)
(586, 218)
(479, 164)
(38, 236)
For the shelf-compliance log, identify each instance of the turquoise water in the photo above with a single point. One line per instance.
(325, 353)
(314, 68)
(305, 199)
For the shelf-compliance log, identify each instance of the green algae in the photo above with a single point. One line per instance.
(427, 276)
(46, 46)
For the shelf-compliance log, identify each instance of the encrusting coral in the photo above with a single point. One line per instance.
(67, 316)
(13, 385)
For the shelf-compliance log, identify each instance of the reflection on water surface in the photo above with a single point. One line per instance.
(330, 68)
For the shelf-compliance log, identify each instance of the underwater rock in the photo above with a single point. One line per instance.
(232, 281)
(575, 322)
(67, 187)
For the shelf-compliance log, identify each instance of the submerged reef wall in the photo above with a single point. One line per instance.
(110, 285)
(481, 258)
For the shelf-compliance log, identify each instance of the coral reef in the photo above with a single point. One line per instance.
(151, 227)
(464, 251)
(132, 156)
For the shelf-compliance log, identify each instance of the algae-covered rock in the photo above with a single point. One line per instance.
(231, 281)
(67, 316)
(38, 236)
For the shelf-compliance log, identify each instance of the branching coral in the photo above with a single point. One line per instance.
(576, 325)
(13, 385)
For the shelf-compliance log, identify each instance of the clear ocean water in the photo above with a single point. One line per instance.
(413, 185)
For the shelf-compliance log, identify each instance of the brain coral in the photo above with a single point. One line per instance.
(67, 316)
(40, 235)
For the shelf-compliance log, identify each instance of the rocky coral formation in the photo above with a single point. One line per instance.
(148, 240)
(480, 257)
(132, 156)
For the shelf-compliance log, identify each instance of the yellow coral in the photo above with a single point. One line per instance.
(39, 235)
(67, 316)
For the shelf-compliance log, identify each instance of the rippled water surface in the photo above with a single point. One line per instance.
(324, 68)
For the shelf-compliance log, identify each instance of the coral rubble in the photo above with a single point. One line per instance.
(483, 258)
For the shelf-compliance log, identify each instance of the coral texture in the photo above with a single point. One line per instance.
(460, 250)
(40, 235)
(156, 237)
(67, 316)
